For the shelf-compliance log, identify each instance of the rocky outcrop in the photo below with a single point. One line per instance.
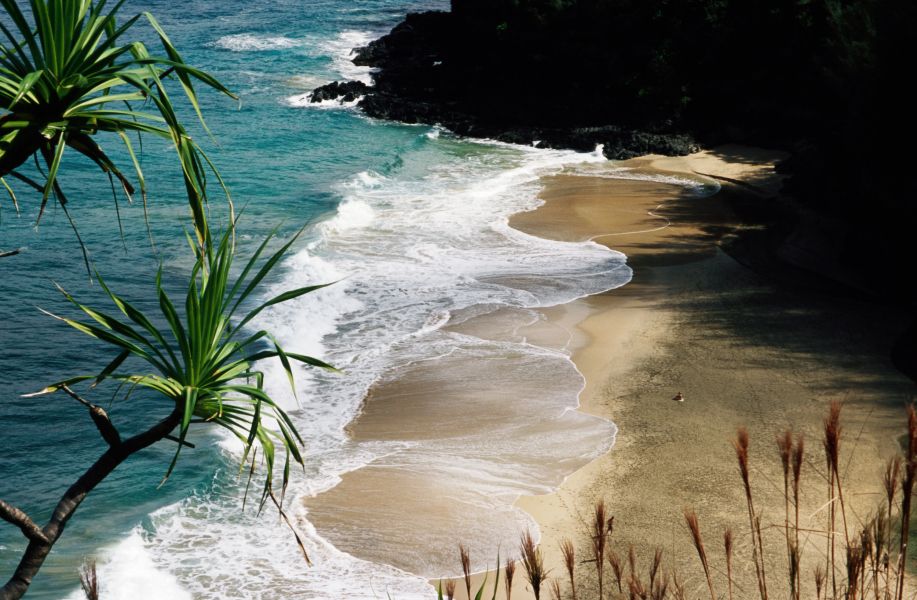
(426, 71)
(342, 91)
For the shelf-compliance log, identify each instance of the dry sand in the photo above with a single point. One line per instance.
(743, 351)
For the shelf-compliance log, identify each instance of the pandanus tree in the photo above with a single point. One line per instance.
(200, 365)
(63, 80)
(69, 75)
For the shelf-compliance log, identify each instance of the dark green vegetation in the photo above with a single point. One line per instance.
(66, 77)
(822, 79)
(200, 364)
(70, 74)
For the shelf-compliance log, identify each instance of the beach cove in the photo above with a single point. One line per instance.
(744, 350)
(523, 321)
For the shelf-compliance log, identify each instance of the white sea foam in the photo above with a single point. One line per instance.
(351, 214)
(127, 572)
(409, 250)
(243, 42)
(340, 49)
(304, 101)
(699, 185)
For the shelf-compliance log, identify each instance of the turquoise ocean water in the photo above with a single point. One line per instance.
(411, 217)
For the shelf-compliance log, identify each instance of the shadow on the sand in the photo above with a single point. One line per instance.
(806, 323)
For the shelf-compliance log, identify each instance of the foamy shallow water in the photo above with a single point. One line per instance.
(409, 251)
(413, 247)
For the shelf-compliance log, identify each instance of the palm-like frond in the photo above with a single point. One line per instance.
(200, 361)
(68, 75)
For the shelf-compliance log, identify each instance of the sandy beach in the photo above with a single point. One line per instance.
(742, 349)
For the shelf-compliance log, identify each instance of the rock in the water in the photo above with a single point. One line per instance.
(343, 91)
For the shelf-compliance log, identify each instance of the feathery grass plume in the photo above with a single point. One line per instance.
(533, 562)
(740, 443)
(854, 562)
(555, 590)
(637, 589)
(89, 580)
(694, 526)
(678, 587)
(819, 581)
(798, 455)
(615, 561)
(569, 554)
(833, 431)
(890, 479)
(880, 560)
(600, 526)
(632, 560)
(785, 449)
(466, 567)
(892, 473)
(654, 567)
(727, 545)
(829, 553)
(907, 490)
(509, 571)
(450, 589)
(660, 588)
(832, 443)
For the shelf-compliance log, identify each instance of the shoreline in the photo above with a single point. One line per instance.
(629, 345)
(656, 336)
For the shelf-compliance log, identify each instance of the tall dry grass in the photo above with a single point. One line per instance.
(568, 551)
(509, 572)
(602, 527)
(465, 559)
(866, 564)
(89, 580)
(694, 527)
(533, 563)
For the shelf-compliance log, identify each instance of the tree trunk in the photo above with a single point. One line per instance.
(37, 550)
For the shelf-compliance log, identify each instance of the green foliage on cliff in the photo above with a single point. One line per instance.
(821, 78)
(663, 59)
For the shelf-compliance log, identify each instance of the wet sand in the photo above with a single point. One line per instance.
(742, 350)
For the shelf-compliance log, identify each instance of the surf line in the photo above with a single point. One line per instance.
(652, 213)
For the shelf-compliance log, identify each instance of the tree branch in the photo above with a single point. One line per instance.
(106, 429)
(11, 514)
(39, 548)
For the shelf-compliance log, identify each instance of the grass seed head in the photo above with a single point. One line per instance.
(509, 571)
(533, 562)
(465, 557)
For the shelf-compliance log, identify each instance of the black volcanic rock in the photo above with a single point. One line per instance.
(819, 79)
(439, 68)
(663, 77)
(344, 91)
